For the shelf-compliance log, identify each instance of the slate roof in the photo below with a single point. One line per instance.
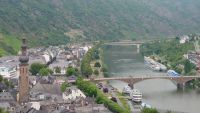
(47, 88)
(6, 96)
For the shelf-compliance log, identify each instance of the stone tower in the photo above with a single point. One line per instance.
(23, 78)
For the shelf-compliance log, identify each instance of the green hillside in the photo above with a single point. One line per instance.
(61, 21)
(9, 45)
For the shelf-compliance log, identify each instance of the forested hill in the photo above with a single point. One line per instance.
(58, 21)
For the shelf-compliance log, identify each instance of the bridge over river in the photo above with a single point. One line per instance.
(126, 43)
(179, 80)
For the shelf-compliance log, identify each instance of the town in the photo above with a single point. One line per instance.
(25, 91)
(47, 80)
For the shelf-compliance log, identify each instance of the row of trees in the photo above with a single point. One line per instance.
(91, 90)
(86, 69)
(43, 70)
(92, 54)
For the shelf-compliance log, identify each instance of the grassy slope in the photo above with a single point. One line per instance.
(9, 45)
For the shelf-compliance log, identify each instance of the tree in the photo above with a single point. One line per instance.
(96, 56)
(149, 110)
(64, 86)
(188, 66)
(86, 69)
(96, 72)
(104, 69)
(71, 71)
(57, 69)
(6, 82)
(50, 71)
(1, 78)
(178, 70)
(35, 68)
(44, 72)
(97, 64)
(3, 111)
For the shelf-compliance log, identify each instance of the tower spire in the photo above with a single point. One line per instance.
(24, 57)
(23, 78)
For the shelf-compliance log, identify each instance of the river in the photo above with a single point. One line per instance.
(159, 93)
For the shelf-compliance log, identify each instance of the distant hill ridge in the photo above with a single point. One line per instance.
(61, 21)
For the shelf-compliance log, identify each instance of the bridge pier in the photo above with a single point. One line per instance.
(138, 48)
(181, 86)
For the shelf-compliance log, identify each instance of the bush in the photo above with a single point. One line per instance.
(57, 69)
(149, 110)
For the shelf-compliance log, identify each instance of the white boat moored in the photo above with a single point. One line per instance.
(136, 96)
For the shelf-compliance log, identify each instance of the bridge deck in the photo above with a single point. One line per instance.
(144, 77)
(125, 43)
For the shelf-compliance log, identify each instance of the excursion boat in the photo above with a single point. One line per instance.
(136, 96)
(127, 90)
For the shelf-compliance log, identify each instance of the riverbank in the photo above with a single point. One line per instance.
(159, 93)
(172, 54)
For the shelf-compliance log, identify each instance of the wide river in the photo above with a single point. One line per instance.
(159, 93)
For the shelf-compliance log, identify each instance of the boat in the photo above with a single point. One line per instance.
(136, 96)
(126, 90)
(172, 73)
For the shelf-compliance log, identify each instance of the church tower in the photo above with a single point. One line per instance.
(23, 77)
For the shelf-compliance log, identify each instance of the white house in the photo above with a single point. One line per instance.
(9, 67)
(35, 105)
(8, 72)
(73, 93)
